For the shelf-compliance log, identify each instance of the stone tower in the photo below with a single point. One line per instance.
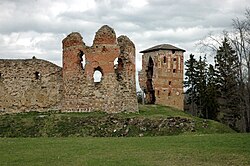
(161, 77)
(114, 90)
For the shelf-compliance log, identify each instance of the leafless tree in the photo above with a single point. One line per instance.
(241, 42)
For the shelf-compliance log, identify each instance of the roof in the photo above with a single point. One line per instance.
(162, 47)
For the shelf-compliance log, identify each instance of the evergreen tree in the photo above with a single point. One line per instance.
(190, 83)
(201, 85)
(212, 93)
(227, 65)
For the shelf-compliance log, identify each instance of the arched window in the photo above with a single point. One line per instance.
(97, 74)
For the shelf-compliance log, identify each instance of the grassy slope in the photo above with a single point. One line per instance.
(152, 120)
(212, 149)
(160, 111)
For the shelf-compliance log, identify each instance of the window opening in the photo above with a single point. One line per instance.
(174, 59)
(173, 51)
(97, 75)
(174, 70)
(116, 63)
(37, 75)
(82, 59)
(164, 59)
(118, 66)
(150, 89)
(169, 83)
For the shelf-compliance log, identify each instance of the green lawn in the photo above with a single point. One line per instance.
(210, 149)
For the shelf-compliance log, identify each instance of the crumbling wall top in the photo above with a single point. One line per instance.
(124, 40)
(105, 35)
(73, 39)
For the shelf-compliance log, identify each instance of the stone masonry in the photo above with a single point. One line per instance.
(33, 84)
(161, 77)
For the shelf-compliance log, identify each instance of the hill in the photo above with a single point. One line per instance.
(151, 120)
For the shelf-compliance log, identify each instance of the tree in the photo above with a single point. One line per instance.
(201, 84)
(190, 83)
(212, 94)
(241, 43)
(227, 66)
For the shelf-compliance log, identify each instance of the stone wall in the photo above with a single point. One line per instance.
(116, 91)
(38, 85)
(166, 77)
(31, 84)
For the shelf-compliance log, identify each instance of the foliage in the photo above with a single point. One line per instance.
(227, 65)
(190, 82)
(216, 90)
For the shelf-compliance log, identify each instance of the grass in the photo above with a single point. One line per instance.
(159, 110)
(151, 120)
(205, 149)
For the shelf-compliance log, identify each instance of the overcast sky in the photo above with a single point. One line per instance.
(36, 27)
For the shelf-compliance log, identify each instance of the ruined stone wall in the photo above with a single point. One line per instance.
(116, 92)
(38, 85)
(167, 77)
(27, 85)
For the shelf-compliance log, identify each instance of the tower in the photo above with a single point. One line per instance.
(91, 81)
(161, 77)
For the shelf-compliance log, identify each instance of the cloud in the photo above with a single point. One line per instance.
(37, 27)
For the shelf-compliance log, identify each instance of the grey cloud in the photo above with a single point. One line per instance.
(157, 22)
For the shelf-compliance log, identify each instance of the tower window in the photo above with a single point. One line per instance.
(37, 75)
(174, 59)
(174, 70)
(169, 83)
(173, 51)
(164, 59)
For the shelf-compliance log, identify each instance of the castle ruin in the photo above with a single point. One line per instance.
(161, 77)
(39, 85)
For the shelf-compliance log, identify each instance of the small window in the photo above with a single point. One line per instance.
(0, 75)
(158, 93)
(164, 59)
(82, 59)
(169, 83)
(174, 59)
(173, 51)
(97, 75)
(116, 63)
(169, 93)
(174, 70)
(37, 75)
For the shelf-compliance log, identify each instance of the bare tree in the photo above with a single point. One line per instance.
(241, 43)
